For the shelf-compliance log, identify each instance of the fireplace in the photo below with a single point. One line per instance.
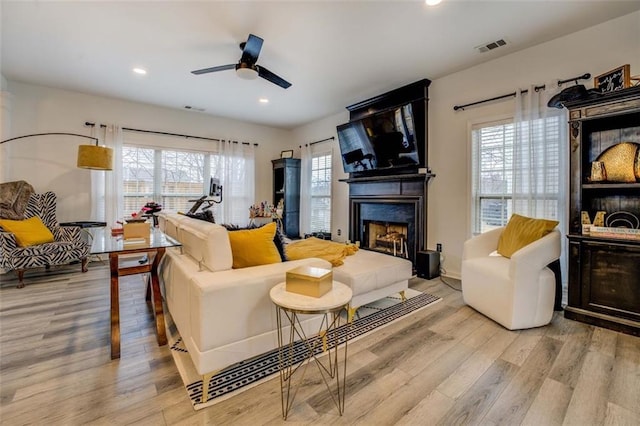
(388, 214)
(386, 237)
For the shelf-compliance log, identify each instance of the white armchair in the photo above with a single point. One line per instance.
(518, 292)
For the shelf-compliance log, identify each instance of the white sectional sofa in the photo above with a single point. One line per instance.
(225, 315)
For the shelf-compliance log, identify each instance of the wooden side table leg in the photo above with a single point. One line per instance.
(156, 297)
(115, 307)
(147, 297)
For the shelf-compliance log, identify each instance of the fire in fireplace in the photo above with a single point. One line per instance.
(387, 237)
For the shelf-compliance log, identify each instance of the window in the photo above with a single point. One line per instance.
(169, 177)
(508, 178)
(138, 172)
(321, 192)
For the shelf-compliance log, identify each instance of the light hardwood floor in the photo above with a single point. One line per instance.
(446, 365)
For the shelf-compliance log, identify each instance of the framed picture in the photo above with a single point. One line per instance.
(286, 154)
(613, 80)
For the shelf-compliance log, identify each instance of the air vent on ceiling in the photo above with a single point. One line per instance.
(490, 46)
(192, 108)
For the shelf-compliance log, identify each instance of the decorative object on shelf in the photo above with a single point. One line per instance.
(622, 219)
(286, 154)
(93, 157)
(279, 209)
(613, 80)
(621, 233)
(586, 222)
(598, 172)
(599, 219)
(621, 224)
(573, 93)
(635, 80)
(266, 209)
(621, 162)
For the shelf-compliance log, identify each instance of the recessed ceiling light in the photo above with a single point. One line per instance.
(140, 71)
(263, 100)
(432, 2)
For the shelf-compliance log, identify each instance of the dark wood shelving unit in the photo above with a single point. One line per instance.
(286, 186)
(604, 272)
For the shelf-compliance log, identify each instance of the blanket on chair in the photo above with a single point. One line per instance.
(315, 247)
(14, 197)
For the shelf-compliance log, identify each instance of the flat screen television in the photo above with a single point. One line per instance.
(385, 140)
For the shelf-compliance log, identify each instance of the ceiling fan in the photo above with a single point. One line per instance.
(247, 68)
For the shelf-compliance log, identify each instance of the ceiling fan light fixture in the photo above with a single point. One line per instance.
(246, 71)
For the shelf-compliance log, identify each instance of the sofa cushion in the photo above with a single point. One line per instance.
(254, 247)
(278, 238)
(28, 232)
(522, 231)
(170, 223)
(207, 243)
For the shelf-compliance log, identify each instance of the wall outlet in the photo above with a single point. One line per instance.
(439, 248)
(339, 232)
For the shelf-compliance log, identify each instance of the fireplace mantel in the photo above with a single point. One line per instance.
(411, 176)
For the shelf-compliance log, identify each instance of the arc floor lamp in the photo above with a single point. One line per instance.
(93, 157)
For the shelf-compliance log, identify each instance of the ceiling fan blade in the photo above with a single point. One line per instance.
(251, 49)
(214, 69)
(269, 76)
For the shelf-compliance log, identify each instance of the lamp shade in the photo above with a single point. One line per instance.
(95, 157)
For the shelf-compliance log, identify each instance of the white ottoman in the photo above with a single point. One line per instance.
(373, 275)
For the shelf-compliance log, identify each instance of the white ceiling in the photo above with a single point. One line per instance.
(335, 53)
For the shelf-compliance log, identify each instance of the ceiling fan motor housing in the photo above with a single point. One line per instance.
(246, 71)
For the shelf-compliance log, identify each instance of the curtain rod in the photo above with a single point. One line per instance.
(537, 88)
(321, 140)
(87, 123)
(54, 133)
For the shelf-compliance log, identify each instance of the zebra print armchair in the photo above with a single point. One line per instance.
(68, 245)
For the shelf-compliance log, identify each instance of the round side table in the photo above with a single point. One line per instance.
(297, 348)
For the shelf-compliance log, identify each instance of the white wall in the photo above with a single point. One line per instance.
(48, 163)
(595, 50)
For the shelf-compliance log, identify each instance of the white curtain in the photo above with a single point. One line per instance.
(114, 196)
(305, 192)
(106, 186)
(540, 150)
(235, 168)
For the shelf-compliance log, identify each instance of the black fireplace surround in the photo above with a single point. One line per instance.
(394, 200)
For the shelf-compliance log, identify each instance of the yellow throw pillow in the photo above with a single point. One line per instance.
(28, 232)
(521, 231)
(253, 247)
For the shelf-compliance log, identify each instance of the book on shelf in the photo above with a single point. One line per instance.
(623, 233)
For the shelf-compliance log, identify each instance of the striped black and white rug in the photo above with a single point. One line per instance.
(251, 372)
